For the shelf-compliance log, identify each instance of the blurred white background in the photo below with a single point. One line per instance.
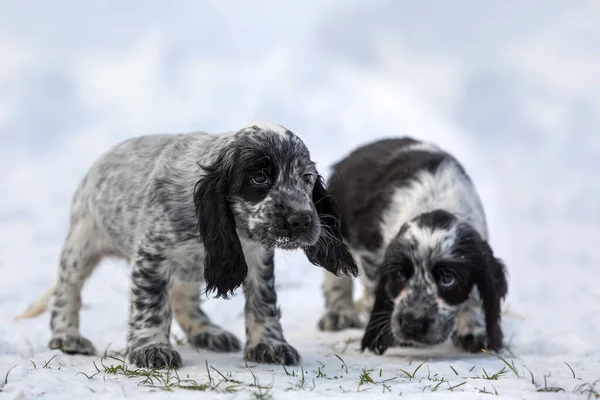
(512, 88)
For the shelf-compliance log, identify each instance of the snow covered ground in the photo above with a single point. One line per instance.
(512, 88)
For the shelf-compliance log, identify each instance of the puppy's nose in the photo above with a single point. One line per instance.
(298, 221)
(413, 325)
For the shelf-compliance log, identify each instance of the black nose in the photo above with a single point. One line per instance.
(413, 325)
(299, 221)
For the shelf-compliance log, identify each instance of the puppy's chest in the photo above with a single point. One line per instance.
(187, 261)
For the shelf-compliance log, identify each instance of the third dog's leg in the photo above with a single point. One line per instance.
(340, 310)
(265, 342)
(79, 257)
(200, 330)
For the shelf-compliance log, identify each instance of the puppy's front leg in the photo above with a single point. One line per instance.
(340, 310)
(469, 333)
(150, 312)
(265, 342)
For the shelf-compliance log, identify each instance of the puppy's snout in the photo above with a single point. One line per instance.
(413, 325)
(299, 221)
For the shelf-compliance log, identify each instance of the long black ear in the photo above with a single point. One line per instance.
(492, 286)
(330, 251)
(378, 335)
(225, 266)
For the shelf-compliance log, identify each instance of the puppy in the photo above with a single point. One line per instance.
(182, 208)
(412, 218)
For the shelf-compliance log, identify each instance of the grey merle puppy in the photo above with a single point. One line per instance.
(191, 207)
(417, 229)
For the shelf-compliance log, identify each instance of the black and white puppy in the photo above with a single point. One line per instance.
(191, 207)
(417, 229)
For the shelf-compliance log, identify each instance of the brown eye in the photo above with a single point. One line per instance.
(260, 178)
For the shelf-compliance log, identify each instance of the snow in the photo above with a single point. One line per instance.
(511, 88)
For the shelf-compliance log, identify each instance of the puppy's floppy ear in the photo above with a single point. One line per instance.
(491, 283)
(225, 266)
(378, 335)
(330, 251)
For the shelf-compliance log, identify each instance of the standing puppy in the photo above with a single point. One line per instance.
(184, 207)
(416, 225)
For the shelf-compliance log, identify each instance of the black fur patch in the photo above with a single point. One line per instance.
(225, 266)
(363, 183)
(330, 251)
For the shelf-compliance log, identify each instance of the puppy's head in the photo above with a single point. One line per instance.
(265, 186)
(430, 269)
(272, 183)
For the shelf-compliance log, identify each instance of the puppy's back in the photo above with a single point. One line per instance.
(381, 185)
(112, 193)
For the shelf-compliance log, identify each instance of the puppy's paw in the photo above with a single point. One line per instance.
(377, 341)
(155, 356)
(333, 321)
(272, 352)
(470, 333)
(472, 342)
(72, 344)
(216, 339)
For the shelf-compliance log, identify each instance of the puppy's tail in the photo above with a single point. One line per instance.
(39, 306)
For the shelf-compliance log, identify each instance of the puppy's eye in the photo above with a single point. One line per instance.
(308, 178)
(260, 178)
(400, 275)
(447, 279)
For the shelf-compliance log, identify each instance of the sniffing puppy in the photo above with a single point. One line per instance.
(417, 228)
(191, 207)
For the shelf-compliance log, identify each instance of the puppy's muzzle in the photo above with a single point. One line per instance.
(298, 222)
(413, 326)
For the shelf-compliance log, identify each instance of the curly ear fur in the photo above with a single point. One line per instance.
(378, 335)
(492, 286)
(330, 251)
(225, 266)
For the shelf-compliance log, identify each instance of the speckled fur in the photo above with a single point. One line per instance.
(181, 210)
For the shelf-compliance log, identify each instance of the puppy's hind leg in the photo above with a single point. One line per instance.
(200, 330)
(80, 255)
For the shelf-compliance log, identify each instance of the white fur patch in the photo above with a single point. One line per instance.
(447, 188)
(422, 146)
(441, 240)
(268, 126)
